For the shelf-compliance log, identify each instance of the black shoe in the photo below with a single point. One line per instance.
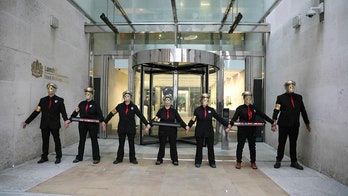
(277, 165)
(134, 161)
(296, 165)
(117, 161)
(238, 165)
(197, 165)
(213, 165)
(96, 161)
(159, 162)
(58, 160)
(42, 160)
(76, 160)
(176, 163)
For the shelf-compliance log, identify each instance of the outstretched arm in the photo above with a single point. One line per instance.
(32, 116)
(110, 115)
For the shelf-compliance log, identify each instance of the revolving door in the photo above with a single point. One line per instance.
(185, 73)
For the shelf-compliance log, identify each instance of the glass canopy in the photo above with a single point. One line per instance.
(176, 15)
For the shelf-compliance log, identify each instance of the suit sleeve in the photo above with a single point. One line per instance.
(263, 115)
(193, 119)
(235, 116)
(219, 118)
(141, 116)
(100, 113)
(157, 117)
(276, 110)
(304, 113)
(34, 114)
(179, 119)
(75, 112)
(110, 115)
(63, 110)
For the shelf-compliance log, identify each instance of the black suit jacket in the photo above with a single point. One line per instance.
(126, 123)
(50, 118)
(173, 117)
(93, 111)
(290, 116)
(204, 127)
(242, 114)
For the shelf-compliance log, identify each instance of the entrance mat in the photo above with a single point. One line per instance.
(146, 178)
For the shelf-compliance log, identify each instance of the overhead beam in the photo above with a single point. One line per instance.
(256, 27)
(270, 10)
(175, 18)
(227, 11)
(235, 23)
(108, 23)
(119, 7)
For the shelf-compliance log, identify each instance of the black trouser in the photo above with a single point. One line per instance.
(171, 134)
(284, 132)
(199, 147)
(122, 139)
(45, 142)
(92, 129)
(243, 134)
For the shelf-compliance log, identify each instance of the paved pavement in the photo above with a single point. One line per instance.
(22, 178)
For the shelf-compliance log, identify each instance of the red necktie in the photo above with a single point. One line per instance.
(167, 114)
(86, 106)
(250, 114)
(126, 109)
(50, 103)
(292, 101)
(205, 112)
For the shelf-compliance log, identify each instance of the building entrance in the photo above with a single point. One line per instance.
(186, 73)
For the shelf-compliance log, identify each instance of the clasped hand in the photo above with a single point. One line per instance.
(228, 129)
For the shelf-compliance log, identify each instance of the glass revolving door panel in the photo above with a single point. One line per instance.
(187, 80)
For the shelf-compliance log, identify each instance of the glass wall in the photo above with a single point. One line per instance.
(240, 69)
(208, 41)
(117, 84)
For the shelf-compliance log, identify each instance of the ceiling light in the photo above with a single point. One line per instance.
(190, 37)
(205, 4)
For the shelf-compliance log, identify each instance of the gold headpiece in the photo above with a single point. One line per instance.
(205, 95)
(247, 93)
(89, 89)
(127, 92)
(167, 97)
(290, 82)
(52, 84)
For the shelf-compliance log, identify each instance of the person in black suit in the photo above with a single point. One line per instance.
(51, 107)
(204, 130)
(168, 115)
(247, 113)
(126, 126)
(289, 105)
(88, 109)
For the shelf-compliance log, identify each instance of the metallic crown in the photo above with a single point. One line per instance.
(89, 89)
(167, 97)
(52, 84)
(205, 95)
(290, 82)
(247, 93)
(127, 92)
